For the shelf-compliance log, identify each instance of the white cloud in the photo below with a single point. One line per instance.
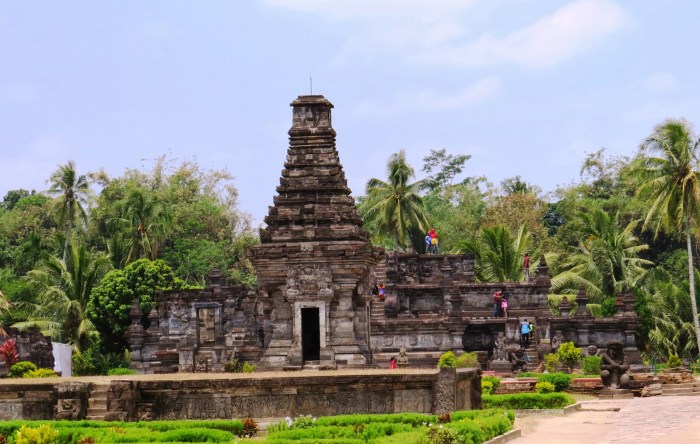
(436, 32)
(430, 100)
(569, 30)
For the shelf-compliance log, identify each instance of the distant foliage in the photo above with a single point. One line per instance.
(19, 369)
(120, 371)
(674, 361)
(465, 360)
(486, 387)
(40, 373)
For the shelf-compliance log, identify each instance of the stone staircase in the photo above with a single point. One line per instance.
(97, 402)
(532, 353)
(682, 389)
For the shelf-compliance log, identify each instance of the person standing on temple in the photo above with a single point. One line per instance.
(526, 266)
(525, 333)
(428, 244)
(381, 292)
(392, 362)
(434, 241)
(504, 306)
(497, 303)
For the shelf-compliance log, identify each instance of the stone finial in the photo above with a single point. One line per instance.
(582, 300)
(214, 279)
(620, 305)
(564, 307)
(629, 301)
(542, 276)
(311, 113)
(135, 313)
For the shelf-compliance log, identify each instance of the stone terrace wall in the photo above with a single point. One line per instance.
(257, 396)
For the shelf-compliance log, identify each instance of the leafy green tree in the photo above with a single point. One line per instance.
(515, 210)
(456, 212)
(62, 295)
(515, 185)
(498, 255)
(667, 168)
(146, 220)
(396, 207)
(443, 168)
(71, 191)
(110, 302)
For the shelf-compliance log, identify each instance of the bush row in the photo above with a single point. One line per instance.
(522, 401)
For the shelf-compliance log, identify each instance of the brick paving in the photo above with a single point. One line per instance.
(668, 419)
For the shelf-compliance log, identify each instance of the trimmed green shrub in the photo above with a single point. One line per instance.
(494, 380)
(44, 434)
(447, 360)
(551, 362)
(40, 373)
(486, 387)
(591, 365)
(569, 354)
(248, 367)
(120, 371)
(544, 387)
(560, 381)
(522, 401)
(19, 369)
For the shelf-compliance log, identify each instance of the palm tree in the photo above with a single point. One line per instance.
(71, 191)
(144, 222)
(668, 171)
(63, 291)
(395, 207)
(4, 307)
(607, 260)
(498, 255)
(671, 316)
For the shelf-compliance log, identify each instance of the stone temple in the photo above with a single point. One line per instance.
(313, 307)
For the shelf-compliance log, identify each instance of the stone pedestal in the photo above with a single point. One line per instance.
(500, 366)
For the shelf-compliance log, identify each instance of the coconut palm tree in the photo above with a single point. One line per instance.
(4, 307)
(141, 227)
(607, 260)
(498, 255)
(62, 294)
(394, 206)
(71, 192)
(667, 168)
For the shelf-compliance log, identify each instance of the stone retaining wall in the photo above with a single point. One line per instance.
(321, 394)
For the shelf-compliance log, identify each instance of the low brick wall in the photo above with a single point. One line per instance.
(255, 395)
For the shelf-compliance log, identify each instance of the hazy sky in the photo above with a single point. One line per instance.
(527, 87)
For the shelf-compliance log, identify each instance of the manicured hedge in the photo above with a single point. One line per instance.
(561, 381)
(522, 401)
(126, 432)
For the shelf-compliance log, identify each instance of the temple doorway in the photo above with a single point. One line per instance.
(310, 334)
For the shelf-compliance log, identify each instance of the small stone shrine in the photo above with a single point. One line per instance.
(314, 308)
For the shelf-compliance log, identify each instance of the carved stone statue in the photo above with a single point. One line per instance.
(518, 360)
(557, 341)
(614, 367)
(499, 350)
(402, 361)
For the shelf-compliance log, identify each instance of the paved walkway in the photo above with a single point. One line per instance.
(657, 419)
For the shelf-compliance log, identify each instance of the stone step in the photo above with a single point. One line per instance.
(97, 403)
(681, 385)
(664, 393)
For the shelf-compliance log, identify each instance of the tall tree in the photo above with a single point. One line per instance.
(63, 292)
(395, 206)
(71, 191)
(668, 171)
(607, 259)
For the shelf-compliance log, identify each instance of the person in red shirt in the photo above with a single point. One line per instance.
(434, 241)
(392, 362)
(526, 266)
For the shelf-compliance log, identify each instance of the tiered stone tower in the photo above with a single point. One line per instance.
(314, 261)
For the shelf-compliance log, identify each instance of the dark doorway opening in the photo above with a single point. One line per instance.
(310, 334)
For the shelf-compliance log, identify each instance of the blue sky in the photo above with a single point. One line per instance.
(527, 87)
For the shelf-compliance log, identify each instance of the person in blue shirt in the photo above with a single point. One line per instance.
(525, 333)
